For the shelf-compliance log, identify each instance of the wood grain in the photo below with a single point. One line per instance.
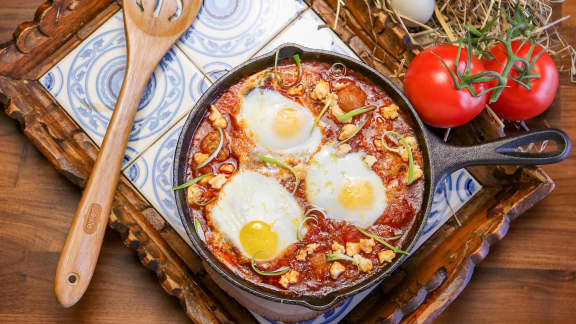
(529, 279)
(145, 32)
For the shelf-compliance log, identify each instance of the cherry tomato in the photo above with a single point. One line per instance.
(517, 102)
(431, 90)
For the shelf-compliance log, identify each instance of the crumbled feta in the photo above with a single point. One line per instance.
(386, 256)
(343, 149)
(218, 181)
(321, 90)
(336, 270)
(347, 131)
(352, 248)
(337, 247)
(200, 158)
(290, 277)
(364, 264)
(216, 117)
(366, 245)
(390, 111)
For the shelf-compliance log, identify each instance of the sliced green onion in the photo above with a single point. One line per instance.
(199, 229)
(215, 153)
(301, 226)
(340, 257)
(191, 182)
(397, 150)
(382, 240)
(322, 112)
(331, 70)
(356, 112)
(391, 149)
(204, 203)
(355, 132)
(296, 58)
(278, 272)
(272, 160)
(315, 209)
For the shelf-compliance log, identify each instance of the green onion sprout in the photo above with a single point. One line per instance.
(296, 58)
(397, 150)
(191, 182)
(332, 69)
(382, 240)
(322, 112)
(356, 112)
(215, 153)
(355, 132)
(340, 257)
(204, 203)
(278, 272)
(272, 160)
(199, 229)
(315, 209)
(301, 226)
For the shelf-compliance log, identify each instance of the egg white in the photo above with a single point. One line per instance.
(328, 174)
(249, 196)
(259, 112)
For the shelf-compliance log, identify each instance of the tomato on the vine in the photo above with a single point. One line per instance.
(516, 102)
(432, 91)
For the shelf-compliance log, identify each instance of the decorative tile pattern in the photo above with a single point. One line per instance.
(228, 32)
(305, 31)
(151, 173)
(449, 197)
(87, 82)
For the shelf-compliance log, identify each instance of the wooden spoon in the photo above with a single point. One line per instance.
(152, 27)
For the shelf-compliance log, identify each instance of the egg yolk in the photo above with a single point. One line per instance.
(258, 237)
(356, 195)
(287, 122)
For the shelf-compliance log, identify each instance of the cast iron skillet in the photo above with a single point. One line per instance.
(439, 160)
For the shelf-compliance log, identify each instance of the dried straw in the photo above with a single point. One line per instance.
(452, 16)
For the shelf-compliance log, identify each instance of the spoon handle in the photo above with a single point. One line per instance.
(84, 240)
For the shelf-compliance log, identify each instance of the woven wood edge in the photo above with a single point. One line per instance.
(73, 153)
(428, 303)
(54, 24)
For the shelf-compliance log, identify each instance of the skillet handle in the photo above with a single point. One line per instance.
(449, 158)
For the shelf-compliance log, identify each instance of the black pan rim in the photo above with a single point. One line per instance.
(199, 110)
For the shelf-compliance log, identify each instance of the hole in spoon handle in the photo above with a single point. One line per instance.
(73, 278)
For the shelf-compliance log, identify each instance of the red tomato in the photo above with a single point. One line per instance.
(517, 102)
(431, 90)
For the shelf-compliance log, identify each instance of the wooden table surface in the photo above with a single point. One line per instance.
(529, 277)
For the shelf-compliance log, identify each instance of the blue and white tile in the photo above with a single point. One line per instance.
(151, 173)
(87, 82)
(228, 32)
(305, 31)
(451, 195)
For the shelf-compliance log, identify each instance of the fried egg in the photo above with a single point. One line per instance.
(257, 215)
(345, 187)
(277, 124)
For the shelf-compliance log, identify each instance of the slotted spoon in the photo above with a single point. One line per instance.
(152, 27)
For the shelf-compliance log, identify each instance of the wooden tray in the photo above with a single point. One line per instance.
(423, 287)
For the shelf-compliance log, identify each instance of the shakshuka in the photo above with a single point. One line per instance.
(304, 177)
